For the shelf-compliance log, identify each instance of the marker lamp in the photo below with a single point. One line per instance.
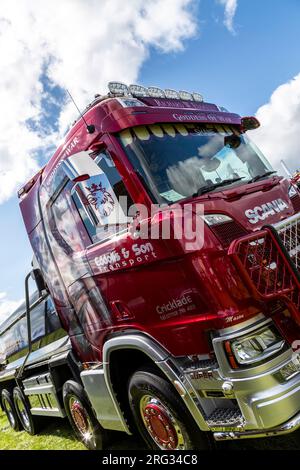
(292, 191)
(130, 102)
(254, 348)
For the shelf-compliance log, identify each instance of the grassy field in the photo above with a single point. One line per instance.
(57, 435)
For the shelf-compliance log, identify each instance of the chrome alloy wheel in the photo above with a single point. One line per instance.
(161, 424)
(9, 412)
(81, 419)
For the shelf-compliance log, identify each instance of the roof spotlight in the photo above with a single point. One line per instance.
(155, 92)
(185, 95)
(138, 91)
(197, 97)
(118, 88)
(172, 94)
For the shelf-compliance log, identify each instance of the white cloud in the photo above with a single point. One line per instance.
(230, 10)
(7, 306)
(278, 136)
(79, 45)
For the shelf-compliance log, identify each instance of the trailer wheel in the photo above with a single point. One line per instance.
(9, 410)
(160, 415)
(81, 416)
(30, 423)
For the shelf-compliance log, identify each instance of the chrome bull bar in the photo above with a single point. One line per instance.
(269, 262)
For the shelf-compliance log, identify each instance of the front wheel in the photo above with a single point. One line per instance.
(82, 419)
(160, 415)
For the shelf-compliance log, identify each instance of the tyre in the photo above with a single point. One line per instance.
(160, 415)
(30, 423)
(9, 410)
(81, 416)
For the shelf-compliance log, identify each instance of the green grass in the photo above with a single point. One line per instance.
(56, 435)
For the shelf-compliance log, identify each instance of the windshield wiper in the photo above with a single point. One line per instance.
(264, 175)
(211, 187)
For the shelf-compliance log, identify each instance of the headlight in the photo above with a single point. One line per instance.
(216, 219)
(254, 348)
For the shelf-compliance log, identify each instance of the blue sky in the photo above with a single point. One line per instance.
(238, 71)
(239, 68)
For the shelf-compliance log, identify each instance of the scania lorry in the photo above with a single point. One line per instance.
(185, 338)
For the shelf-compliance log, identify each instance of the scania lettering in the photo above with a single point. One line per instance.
(182, 373)
(264, 211)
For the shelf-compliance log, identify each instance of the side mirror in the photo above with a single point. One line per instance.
(249, 123)
(80, 167)
(39, 280)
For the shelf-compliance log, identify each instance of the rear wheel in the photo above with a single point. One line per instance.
(160, 415)
(81, 416)
(10, 411)
(30, 423)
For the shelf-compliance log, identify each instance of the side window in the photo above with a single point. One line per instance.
(103, 201)
(52, 319)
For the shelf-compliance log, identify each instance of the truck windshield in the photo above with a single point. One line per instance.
(177, 161)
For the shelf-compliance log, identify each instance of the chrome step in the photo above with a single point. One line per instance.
(225, 418)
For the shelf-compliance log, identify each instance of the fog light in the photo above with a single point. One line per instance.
(291, 369)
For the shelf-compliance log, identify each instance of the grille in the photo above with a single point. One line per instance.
(289, 233)
(296, 202)
(228, 231)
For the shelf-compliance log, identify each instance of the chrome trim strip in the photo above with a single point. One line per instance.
(279, 225)
(292, 425)
(55, 412)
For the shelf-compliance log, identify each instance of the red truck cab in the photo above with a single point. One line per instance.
(184, 335)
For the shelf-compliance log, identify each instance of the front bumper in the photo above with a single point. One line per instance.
(252, 402)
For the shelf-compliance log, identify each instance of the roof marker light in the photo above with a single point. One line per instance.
(155, 92)
(138, 90)
(118, 88)
(172, 94)
(185, 95)
(197, 97)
